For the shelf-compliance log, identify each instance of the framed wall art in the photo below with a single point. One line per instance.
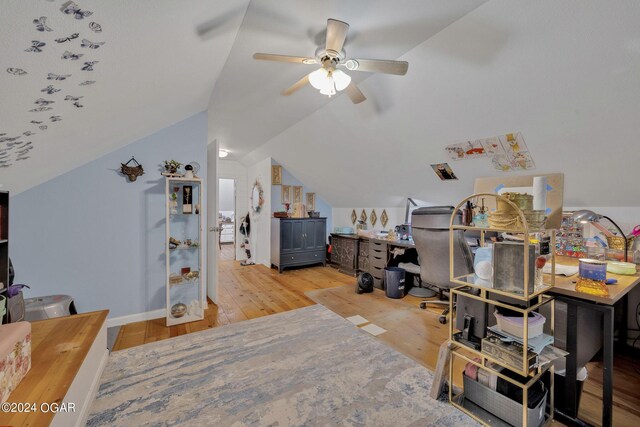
(285, 196)
(276, 175)
(311, 201)
(297, 194)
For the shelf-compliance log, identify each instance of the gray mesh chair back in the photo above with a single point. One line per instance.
(430, 231)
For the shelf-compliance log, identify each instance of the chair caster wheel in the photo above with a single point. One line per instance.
(442, 319)
(423, 305)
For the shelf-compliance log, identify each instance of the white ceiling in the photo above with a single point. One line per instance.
(564, 73)
(154, 70)
(246, 108)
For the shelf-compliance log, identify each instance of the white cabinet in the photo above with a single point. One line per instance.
(186, 298)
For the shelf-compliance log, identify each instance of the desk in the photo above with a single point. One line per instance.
(68, 355)
(564, 290)
(352, 253)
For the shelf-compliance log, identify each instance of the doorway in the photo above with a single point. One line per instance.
(227, 218)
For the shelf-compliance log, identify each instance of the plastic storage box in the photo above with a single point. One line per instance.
(515, 325)
(502, 406)
(49, 307)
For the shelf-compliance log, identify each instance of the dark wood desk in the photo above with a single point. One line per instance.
(564, 290)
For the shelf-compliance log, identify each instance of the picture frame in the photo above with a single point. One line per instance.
(311, 201)
(354, 217)
(285, 196)
(297, 194)
(363, 216)
(276, 175)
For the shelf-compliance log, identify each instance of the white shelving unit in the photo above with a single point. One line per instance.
(184, 223)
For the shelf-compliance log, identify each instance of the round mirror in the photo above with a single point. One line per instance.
(257, 197)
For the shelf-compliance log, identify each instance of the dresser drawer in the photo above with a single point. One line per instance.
(378, 259)
(302, 257)
(378, 246)
(377, 272)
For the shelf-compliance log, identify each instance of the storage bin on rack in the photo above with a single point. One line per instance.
(514, 325)
(502, 406)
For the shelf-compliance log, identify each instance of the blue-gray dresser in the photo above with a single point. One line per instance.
(298, 242)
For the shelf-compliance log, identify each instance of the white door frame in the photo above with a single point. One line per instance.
(213, 253)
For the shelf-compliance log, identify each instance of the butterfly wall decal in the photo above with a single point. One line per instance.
(36, 46)
(43, 102)
(35, 122)
(71, 56)
(87, 83)
(41, 24)
(70, 8)
(77, 104)
(55, 118)
(43, 127)
(72, 98)
(90, 44)
(88, 66)
(50, 90)
(22, 158)
(28, 133)
(68, 39)
(95, 27)
(8, 139)
(52, 76)
(16, 71)
(40, 109)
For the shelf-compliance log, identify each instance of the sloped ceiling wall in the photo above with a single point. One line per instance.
(564, 73)
(158, 65)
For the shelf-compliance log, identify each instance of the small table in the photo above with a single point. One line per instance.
(564, 290)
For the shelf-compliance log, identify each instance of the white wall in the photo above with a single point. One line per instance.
(235, 170)
(226, 194)
(261, 222)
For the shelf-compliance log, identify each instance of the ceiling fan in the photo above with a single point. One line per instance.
(329, 79)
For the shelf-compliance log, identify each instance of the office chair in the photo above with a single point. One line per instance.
(430, 230)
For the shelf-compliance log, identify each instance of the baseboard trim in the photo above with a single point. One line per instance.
(138, 317)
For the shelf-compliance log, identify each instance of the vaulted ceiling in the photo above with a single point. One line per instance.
(157, 65)
(246, 108)
(564, 73)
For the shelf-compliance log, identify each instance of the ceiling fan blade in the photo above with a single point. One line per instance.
(296, 86)
(354, 93)
(336, 34)
(284, 58)
(380, 66)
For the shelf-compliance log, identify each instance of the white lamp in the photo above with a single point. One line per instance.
(329, 81)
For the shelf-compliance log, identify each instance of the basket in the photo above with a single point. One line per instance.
(617, 242)
(521, 200)
(510, 220)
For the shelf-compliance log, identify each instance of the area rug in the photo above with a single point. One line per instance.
(304, 367)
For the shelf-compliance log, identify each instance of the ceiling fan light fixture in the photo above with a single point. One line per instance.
(341, 79)
(319, 78)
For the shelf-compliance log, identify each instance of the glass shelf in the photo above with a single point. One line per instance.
(500, 230)
(474, 281)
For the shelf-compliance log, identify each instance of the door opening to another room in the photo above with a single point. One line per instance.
(227, 218)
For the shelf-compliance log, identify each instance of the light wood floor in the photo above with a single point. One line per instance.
(255, 291)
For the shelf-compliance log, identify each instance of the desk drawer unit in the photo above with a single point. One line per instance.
(378, 276)
(363, 249)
